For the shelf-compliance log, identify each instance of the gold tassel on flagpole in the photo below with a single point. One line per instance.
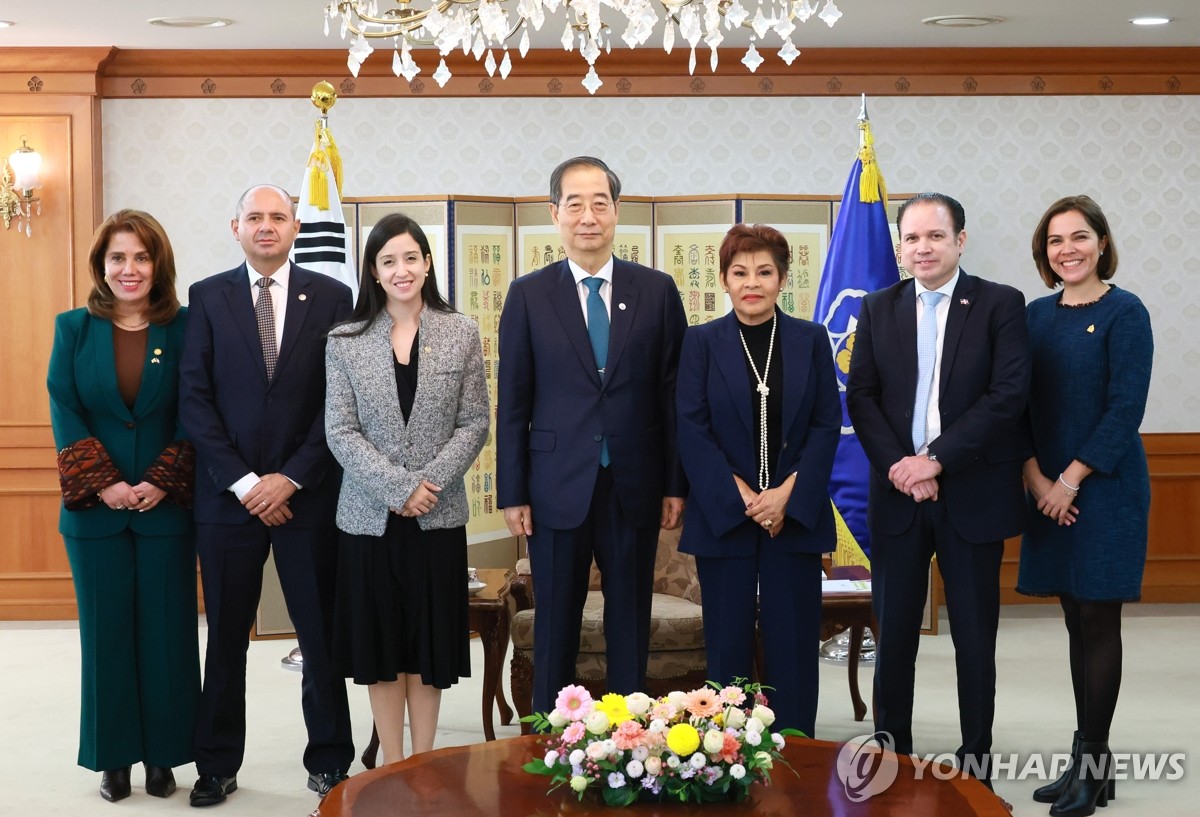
(871, 187)
(324, 160)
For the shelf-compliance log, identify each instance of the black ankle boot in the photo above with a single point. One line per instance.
(1052, 791)
(1090, 782)
(114, 784)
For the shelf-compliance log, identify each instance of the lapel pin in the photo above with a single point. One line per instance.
(303, 297)
(158, 351)
(428, 349)
(1091, 328)
(620, 306)
(155, 360)
(964, 302)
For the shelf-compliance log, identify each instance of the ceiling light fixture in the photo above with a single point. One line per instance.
(190, 22)
(480, 26)
(7, 24)
(961, 20)
(1150, 21)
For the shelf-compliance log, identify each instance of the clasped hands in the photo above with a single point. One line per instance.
(1052, 499)
(268, 499)
(121, 496)
(519, 518)
(421, 501)
(916, 476)
(767, 508)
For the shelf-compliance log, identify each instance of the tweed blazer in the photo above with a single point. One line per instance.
(385, 458)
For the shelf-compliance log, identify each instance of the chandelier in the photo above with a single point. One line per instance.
(480, 27)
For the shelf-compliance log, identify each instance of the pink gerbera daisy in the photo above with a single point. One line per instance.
(703, 702)
(733, 696)
(574, 702)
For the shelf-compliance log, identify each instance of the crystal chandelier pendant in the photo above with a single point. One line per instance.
(830, 14)
(592, 81)
(752, 59)
(789, 52)
(505, 65)
(524, 42)
(442, 74)
(490, 63)
(668, 36)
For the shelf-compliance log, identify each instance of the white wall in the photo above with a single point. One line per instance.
(1005, 158)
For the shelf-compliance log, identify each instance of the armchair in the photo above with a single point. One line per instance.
(677, 658)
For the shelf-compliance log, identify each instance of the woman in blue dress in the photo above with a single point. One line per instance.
(1089, 489)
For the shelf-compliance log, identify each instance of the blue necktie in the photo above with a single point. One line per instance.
(926, 358)
(597, 320)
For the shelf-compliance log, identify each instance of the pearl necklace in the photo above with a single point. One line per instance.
(764, 472)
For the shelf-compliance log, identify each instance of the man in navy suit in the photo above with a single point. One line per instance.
(252, 397)
(585, 433)
(938, 380)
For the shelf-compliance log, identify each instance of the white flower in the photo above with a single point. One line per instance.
(653, 766)
(676, 698)
(577, 757)
(638, 703)
(764, 714)
(764, 760)
(755, 725)
(713, 741)
(753, 738)
(673, 761)
(634, 769)
(697, 761)
(551, 758)
(557, 719)
(658, 725)
(596, 722)
(639, 753)
(616, 780)
(777, 739)
(737, 771)
(735, 718)
(610, 747)
(595, 751)
(579, 783)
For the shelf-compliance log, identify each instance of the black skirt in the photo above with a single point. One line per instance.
(402, 605)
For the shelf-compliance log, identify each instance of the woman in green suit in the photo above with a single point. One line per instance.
(127, 475)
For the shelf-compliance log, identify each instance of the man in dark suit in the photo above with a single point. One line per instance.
(585, 432)
(252, 397)
(938, 381)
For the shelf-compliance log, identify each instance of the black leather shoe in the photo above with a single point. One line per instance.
(114, 784)
(211, 789)
(323, 782)
(160, 781)
(1052, 791)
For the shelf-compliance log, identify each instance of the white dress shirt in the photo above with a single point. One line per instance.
(279, 289)
(933, 417)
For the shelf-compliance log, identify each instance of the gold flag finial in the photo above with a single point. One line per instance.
(324, 97)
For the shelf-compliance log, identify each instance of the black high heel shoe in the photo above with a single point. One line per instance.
(1090, 785)
(160, 781)
(1052, 791)
(114, 784)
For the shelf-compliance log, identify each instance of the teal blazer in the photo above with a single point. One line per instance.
(85, 402)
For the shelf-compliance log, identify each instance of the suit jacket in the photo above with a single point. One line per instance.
(554, 409)
(717, 438)
(383, 458)
(238, 420)
(983, 388)
(85, 402)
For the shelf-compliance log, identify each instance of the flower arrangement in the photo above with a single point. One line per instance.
(706, 745)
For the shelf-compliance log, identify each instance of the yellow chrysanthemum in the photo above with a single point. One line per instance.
(683, 739)
(614, 706)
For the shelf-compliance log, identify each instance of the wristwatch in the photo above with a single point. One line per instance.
(932, 456)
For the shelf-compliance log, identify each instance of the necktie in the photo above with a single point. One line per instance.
(597, 320)
(264, 310)
(926, 358)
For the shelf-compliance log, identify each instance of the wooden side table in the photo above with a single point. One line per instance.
(852, 611)
(488, 615)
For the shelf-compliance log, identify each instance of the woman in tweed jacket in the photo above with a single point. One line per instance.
(406, 413)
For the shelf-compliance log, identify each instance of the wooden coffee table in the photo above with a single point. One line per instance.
(486, 779)
(853, 612)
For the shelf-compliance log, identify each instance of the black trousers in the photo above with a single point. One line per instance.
(971, 580)
(560, 561)
(231, 566)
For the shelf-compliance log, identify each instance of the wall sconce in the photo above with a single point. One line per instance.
(16, 188)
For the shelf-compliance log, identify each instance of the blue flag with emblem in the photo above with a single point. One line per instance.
(861, 259)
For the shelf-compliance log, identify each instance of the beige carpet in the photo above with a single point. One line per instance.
(1159, 712)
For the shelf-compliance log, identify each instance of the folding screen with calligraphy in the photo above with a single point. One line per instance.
(483, 253)
(688, 233)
